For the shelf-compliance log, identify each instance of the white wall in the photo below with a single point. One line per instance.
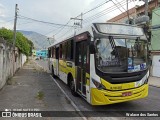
(156, 66)
(8, 65)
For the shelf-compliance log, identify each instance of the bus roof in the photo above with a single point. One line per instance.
(126, 27)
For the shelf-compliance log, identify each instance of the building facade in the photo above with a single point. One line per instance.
(155, 29)
(40, 53)
(136, 12)
(155, 42)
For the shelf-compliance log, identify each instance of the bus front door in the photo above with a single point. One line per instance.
(81, 54)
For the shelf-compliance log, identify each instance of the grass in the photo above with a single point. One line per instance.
(40, 95)
(10, 81)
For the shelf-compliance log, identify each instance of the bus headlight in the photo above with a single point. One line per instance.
(145, 78)
(98, 85)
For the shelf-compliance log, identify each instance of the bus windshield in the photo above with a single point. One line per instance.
(120, 55)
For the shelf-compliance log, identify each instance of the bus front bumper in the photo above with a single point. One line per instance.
(104, 97)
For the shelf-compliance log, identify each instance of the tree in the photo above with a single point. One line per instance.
(24, 45)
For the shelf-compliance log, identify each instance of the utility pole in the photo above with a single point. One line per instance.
(146, 7)
(81, 19)
(15, 22)
(49, 41)
(77, 23)
(78, 19)
(127, 11)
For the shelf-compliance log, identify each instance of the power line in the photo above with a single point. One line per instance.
(116, 6)
(65, 33)
(124, 9)
(102, 13)
(24, 23)
(94, 8)
(52, 25)
(120, 5)
(96, 14)
(62, 28)
(53, 30)
(27, 18)
(7, 21)
(85, 13)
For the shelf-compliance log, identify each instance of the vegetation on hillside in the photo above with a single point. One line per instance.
(24, 45)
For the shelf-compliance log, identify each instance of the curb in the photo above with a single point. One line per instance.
(154, 86)
(37, 64)
(73, 104)
(48, 71)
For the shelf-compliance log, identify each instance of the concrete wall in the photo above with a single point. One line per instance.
(9, 62)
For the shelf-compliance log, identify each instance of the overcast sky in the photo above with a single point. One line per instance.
(55, 11)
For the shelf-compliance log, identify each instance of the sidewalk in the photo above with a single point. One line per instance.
(154, 81)
(33, 88)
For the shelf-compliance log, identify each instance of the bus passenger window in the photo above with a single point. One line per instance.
(52, 52)
(70, 49)
(63, 50)
(49, 53)
(60, 51)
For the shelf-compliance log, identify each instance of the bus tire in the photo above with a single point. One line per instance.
(72, 87)
(53, 75)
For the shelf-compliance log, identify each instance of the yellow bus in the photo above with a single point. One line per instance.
(104, 63)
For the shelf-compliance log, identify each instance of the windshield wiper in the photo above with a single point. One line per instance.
(113, 45)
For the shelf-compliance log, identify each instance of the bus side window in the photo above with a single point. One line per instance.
(63, 50)
(66, 50)
(52, 52)
(57, 52)
(70, 50)
(60, 51)
(72, 47)
(49, 52)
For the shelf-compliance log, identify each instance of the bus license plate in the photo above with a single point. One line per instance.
(126, 94)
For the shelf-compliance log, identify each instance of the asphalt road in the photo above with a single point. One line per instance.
(150, 103)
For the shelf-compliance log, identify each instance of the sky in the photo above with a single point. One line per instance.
(59, 12)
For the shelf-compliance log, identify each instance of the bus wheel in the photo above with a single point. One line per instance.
(53, 75)
(72, 87)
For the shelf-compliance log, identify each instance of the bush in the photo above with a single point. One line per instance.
(24, 45)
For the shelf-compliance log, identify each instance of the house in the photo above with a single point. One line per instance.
(136, 12)
(33, 53)
(42, 53)
(155, 42)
